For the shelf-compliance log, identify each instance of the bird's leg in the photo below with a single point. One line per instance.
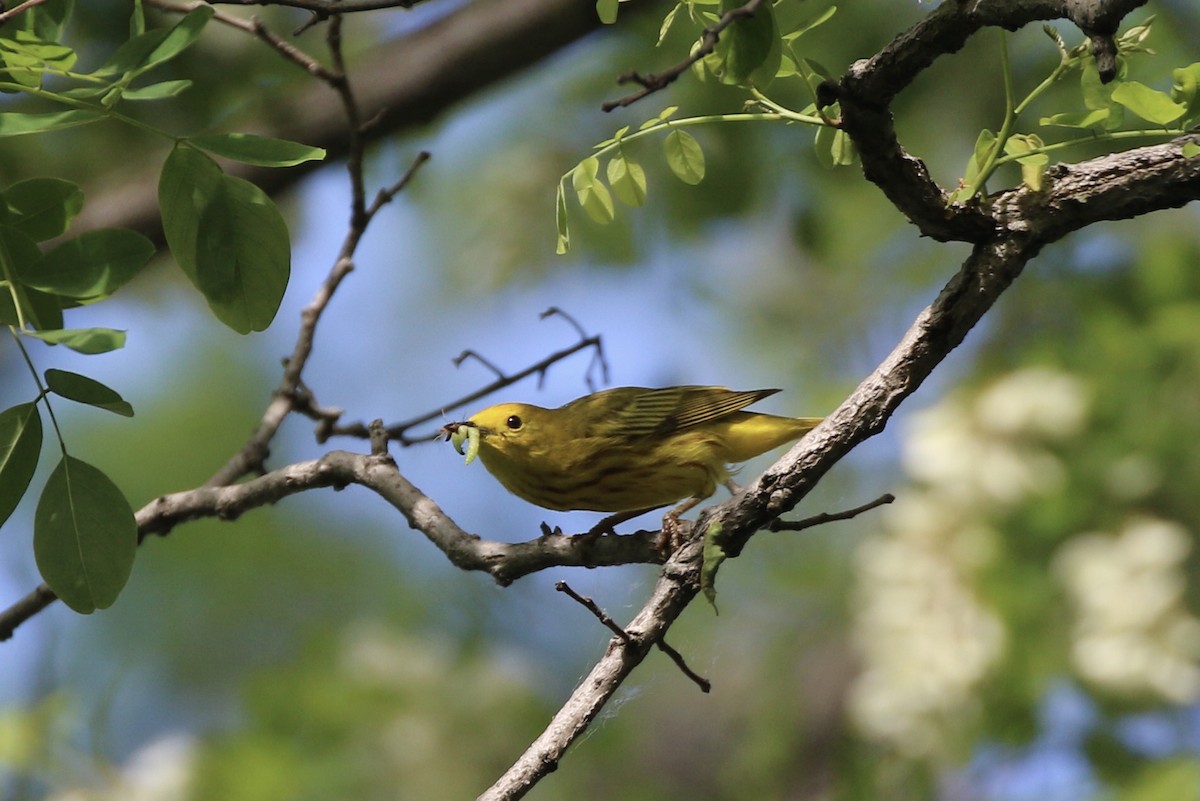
(673, 531)
(608, 524)
(733, 487)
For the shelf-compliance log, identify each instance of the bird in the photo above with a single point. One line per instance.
(624, 451)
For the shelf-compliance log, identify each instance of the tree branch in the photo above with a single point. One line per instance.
(504, 561)
(658, 81)
(868, 87)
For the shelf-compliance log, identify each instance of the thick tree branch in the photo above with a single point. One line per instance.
(869, 86)
(1113, 187)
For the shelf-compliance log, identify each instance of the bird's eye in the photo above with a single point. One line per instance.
(514, 422)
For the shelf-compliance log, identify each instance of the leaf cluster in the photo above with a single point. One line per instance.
(226, 234)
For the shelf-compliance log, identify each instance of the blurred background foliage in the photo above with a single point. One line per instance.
(1020, 624)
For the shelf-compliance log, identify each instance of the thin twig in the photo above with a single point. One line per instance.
(323, 9)
(660, 80)
(7, 15)
(704, 684)
(591, 606)
(829, 517)
(254, 27)
(385, 195)
(398, 432)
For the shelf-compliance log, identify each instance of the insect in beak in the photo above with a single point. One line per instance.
(459, 433)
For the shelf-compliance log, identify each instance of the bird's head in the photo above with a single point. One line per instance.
(506, 429)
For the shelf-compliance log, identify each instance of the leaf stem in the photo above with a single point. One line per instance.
(43, 392)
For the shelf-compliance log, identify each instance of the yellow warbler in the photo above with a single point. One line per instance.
(625, 451)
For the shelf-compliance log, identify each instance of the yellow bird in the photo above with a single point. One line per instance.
(625, 451)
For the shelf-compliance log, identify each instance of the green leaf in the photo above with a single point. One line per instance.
(90, 266)
(190, 183)
(1082, 119)
(684, 156)
(260, 150)
(607, 10)
(804, 28)
(666, 25)
(628, 180)
(591, 192)
(820, 70)
(1190, 150)
(985, 144)
(1033, 165)
(560, 218)
(84, 536)
(1097, 95)
(40, 310)
(41, 208)
(20, 447)
(30, 49)
(48, 20)
(833, 147)
(227, 236)
(713, 555)
(82, 389)
(131, 53)
(1149, 104)
(15, 123)
(750, 49)
(27, 57)
(176, 39)
(89, 341)
(156, 91)
(1186, 89)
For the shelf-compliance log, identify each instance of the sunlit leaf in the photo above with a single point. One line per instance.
(560, 218)
(1149, 104)
(628, 180)
(1033, 164)
(1079, 119)
(591, 192)
(684, 156)
(833, 148)
(1186, 88)
(666, 24)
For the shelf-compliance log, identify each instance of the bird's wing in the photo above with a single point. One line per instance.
(661, 411)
